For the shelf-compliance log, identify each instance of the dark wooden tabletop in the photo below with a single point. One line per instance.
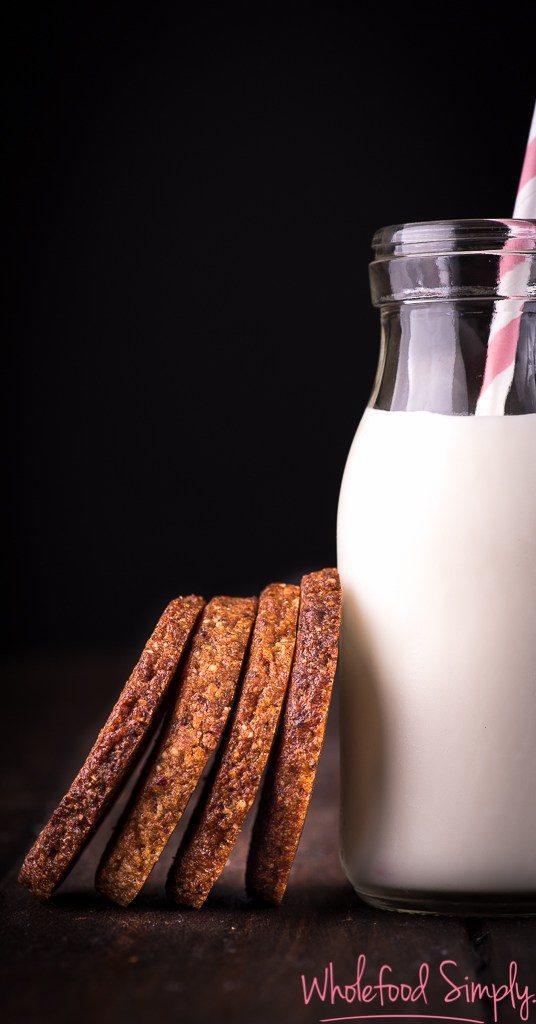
(81, 959)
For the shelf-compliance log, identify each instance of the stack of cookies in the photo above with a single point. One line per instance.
(248, 680)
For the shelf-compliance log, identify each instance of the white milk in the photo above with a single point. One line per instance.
(437, 555)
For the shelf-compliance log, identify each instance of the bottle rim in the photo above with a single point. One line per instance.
(450, 236)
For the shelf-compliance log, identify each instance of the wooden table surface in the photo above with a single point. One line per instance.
(81, 959)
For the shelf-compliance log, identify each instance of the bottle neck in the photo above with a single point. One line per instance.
(435, 355)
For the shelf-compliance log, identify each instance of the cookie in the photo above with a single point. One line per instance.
(292, 767)
(114, 752)
(228, 797)
(195, 725)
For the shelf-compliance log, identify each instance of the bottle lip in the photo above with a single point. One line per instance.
(444, 236)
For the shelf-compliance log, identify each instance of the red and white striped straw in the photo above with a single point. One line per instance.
(514, 273)
(526, 193)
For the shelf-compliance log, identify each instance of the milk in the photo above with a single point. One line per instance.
(437, 555)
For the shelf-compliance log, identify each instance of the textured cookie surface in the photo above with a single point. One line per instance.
(292, 768)
(228, 797)
(196, 722)
(114, 752)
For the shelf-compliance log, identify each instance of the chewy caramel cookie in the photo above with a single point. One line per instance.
(195, 725)
(292, 767)
(114, 752)
(229, 795)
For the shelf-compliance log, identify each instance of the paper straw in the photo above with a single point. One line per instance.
(526, 193)
(514, 271)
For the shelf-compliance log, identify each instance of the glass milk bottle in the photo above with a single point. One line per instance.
(437, 556)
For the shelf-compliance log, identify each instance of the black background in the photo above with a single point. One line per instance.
(190, 340)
